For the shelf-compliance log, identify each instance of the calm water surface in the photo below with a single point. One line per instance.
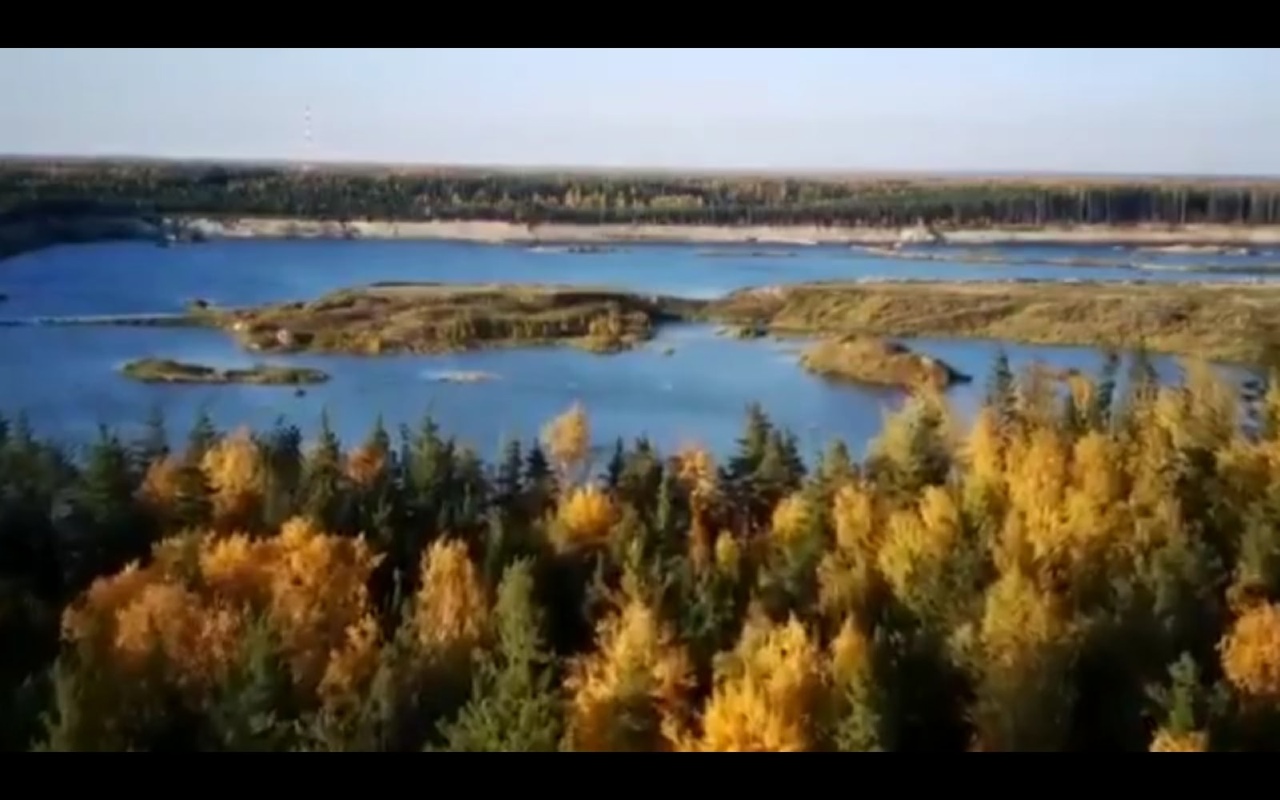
(66, 379)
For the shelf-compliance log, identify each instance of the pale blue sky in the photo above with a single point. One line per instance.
(1134, 111)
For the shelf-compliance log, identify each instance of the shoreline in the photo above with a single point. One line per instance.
(506, 233)
(594, 239)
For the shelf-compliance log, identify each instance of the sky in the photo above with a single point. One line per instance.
(1134, 111)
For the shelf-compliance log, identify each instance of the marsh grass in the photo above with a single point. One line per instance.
(1228, 323)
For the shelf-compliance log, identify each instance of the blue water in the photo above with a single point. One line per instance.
(137, 277)
(66, 378)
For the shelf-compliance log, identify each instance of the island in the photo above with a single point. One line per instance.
(163, 370)
(437, 318)
(1225, 322)
(878, 362)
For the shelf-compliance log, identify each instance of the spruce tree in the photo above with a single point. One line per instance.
(1001, 388)
(253, 710)
(106, 529)
(323, 479)
(514, 706)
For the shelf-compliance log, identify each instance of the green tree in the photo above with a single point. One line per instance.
(514, 706)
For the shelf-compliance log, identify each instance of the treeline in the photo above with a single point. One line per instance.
(1092, 570)
(346, 195)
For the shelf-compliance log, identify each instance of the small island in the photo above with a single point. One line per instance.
(429, 318)
(878, 362)
(163, 370)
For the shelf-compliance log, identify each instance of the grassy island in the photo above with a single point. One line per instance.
(1219, 322)
(163, 370)
(433, 318)
(861, 359)
(1223, 322)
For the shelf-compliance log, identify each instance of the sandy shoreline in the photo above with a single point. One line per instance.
(512, 233)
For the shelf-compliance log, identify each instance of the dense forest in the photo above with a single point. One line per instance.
(28, 188)
(1082, 570)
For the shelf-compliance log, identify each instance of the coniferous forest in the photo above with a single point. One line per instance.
(1082, 570)
(35, 190)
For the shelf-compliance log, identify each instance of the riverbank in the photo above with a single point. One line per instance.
(799, 235)
(1121, 258)
(18, 238)
(21, 236)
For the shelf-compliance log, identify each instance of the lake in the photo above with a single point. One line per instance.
(66, 379)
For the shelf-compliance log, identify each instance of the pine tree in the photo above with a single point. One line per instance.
(282, 454)
(1142, 377)
(192, 503)
(617, 462)
(508, 483)
(254, 709)
(379, 439)
(153, 444)
(75, 724)
(751, 446)
(324, 489)
(514, 706)
(105, 530)
(1101, 408)
(539, 483)
(1000, 387)
(202, 436)
(836, 467)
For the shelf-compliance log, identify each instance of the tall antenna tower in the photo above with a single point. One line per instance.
(308, 141)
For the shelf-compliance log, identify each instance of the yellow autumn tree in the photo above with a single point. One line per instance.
(161, 486)
(632, 692)
(365, 464)
(1251, 655)
(236, 473)
(450, 611)
(984, 449)
(1192, 742)
(857, 706)
(188, 608)
(767, 692)
(918, 548)
(696, 472)
(584, 518)
(351, 666)
(728, 556)
(319, 588)
(1021, 653)
(792, 519)
(567, 439)
(847, 575)
(1090, 531)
